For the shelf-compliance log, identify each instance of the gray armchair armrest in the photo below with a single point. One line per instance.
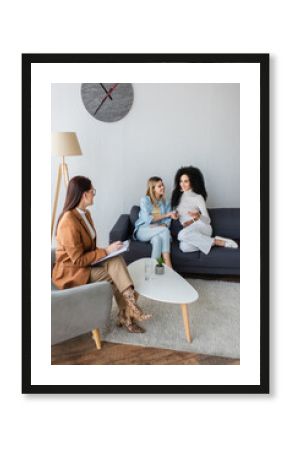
(79, 310)
(121, 231)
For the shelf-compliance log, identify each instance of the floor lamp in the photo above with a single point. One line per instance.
(63, 144)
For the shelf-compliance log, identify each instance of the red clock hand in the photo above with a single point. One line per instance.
(106, 96)
(104, 89)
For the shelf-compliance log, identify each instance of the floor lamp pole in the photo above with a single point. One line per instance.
(65, 172)
(62, 173)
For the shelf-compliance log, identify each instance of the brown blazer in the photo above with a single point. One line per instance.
(75, 251)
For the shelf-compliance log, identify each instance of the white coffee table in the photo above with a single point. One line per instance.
(168, 288)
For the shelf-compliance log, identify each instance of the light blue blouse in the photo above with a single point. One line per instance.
(145, 214)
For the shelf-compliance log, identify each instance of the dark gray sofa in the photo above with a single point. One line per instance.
(219, 261)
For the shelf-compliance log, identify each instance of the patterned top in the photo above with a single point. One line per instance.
(155, 211)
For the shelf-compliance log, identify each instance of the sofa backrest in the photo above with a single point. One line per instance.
(134, 214)
(224, 221)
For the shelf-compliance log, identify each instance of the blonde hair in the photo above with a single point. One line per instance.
(151, 183)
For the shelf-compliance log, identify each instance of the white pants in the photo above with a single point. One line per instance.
(196, 236)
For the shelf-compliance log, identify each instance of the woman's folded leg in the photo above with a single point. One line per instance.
(116, 271)
(196, 237)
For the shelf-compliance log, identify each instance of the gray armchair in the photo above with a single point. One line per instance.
(79, 310)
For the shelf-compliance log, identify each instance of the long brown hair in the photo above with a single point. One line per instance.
(76, 187)
(151, 183)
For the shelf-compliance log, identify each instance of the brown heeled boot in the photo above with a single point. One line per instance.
(135, 311)
(124, 320)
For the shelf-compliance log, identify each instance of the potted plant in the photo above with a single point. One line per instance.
(159, 268)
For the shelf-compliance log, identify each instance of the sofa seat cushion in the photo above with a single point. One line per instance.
(137, 250)
(221, 257)
(183, 261)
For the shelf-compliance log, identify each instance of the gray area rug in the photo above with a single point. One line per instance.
(214, 322)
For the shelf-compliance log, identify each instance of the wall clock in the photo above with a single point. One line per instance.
(107, 102)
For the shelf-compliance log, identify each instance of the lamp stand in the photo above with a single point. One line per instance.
(62, 173)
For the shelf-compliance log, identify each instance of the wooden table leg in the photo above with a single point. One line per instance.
(96, 336)
(184, 309)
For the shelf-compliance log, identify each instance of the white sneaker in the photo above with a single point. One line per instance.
(229, 243)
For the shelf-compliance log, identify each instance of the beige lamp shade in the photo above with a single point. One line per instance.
(65, 143)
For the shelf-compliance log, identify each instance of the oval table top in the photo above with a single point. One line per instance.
(169, 287)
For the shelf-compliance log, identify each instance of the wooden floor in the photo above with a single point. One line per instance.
(82, 350)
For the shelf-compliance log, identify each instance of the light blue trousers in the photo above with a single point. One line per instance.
(159, 237)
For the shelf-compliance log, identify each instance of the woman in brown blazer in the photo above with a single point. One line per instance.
(76, 250)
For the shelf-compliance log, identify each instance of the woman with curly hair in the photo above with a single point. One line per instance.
(188, 198)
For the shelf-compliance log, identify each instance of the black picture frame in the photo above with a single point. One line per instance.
(263, 61)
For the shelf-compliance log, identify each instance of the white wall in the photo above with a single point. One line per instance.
(169, 125)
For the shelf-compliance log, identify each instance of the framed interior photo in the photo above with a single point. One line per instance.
(145, 223)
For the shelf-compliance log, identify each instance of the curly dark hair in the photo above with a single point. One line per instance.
(196, 182)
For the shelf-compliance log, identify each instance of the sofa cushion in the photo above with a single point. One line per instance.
(183, 261)
(221, 257)
(225, 222)
(137, 250)
(134, 214)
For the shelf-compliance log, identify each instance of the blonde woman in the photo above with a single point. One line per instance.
(154, 220)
